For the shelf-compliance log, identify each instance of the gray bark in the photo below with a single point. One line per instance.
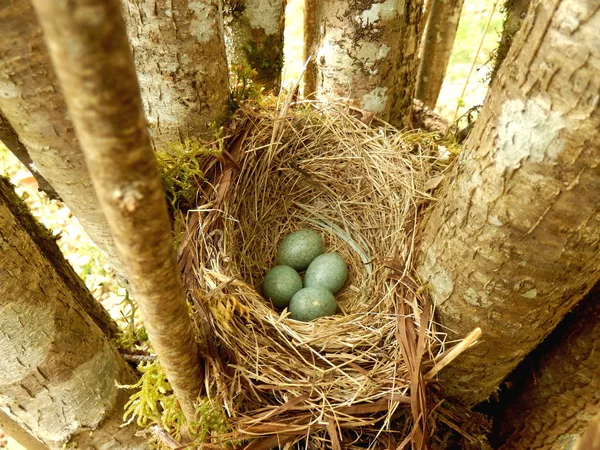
(513, 242)
(366, 53)
(88, 45)
(58, 370)
(254, 36)
(14, 430)
(32, 103)
(438, 41)
(181, 66)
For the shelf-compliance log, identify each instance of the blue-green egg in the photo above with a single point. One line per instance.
(299, 249)
(280, 285)
(329, 271)
(311, 303)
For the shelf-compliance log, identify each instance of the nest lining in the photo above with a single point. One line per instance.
(361, 188)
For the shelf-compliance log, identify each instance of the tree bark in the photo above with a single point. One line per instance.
(58, 370)
(553, 408)
(180, 60)
(32, 103)
(367, 53)
(19, 434)
(88, 45)
(513, 242)
(438, 41)
(310, 38)
(254, 36)
(46, 244)
(515, 12)
(9, 138)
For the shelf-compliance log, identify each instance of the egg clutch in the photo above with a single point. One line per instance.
(325, 276)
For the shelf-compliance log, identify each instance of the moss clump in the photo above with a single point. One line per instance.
(243, 88)
(514, 13)
(266, 59)
(154, 403)
(181, 169)
(132, 335)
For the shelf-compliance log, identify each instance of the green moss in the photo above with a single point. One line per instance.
(181, 170)
(265, 58)
(154, 403)
(514, 12)
(132, 334)
(243, 87)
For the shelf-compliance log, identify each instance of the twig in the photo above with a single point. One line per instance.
(450, 356)
(138, 358)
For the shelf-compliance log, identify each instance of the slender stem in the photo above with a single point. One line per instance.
(91, 54)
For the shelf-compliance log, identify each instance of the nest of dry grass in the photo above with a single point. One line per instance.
(345, 378)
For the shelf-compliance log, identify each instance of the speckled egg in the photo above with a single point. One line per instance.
(328, 270)
(312, 302)
(280, 285)
(299, 249)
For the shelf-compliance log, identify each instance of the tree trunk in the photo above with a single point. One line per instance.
(58, 370)
(512, 244)
(88, 45)
(515, 12)
(562, 393)
(254, 37)
(438, 40)
(19, 434)
(32, 102)
(46, 244)
(9, 138)
(310, 38)
(367, 53)
(181, 65)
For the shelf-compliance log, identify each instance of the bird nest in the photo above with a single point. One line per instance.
(363, 188)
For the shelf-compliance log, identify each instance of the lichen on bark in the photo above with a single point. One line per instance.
(181, 66)
(366, 53)
(254, 37)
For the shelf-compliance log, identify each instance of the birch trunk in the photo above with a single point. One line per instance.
(438, 41)
(513, 242)
(254, 36)
(367, 53)
(32, 103)
(562, 393)
(88, 45)
(181, 65)
(58, 370)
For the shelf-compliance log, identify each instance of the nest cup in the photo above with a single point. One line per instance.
(360, 188)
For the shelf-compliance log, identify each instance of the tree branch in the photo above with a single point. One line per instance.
(89, 48)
